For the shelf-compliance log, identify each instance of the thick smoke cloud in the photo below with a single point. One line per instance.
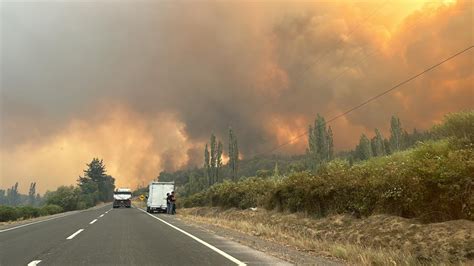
(143, 84)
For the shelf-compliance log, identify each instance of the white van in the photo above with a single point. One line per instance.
(156, 201)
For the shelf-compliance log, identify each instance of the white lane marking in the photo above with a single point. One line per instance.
(34, 263)
(93, 221)
(229, 257)
(101, 216)
(75, 234)
(53, 218)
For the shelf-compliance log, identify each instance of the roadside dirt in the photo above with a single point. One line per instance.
(379, 239)
(279, 250)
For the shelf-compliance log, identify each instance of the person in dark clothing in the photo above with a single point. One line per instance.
(173, 203)
(168, 203)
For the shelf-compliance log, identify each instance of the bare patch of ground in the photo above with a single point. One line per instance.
(379, 239)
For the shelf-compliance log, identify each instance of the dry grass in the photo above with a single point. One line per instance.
(377, 240)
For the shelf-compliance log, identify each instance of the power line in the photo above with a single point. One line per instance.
(374, 97)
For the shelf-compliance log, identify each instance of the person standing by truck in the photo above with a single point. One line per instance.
(168, 203)
(173, 203)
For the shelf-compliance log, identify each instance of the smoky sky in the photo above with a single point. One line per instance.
(179, 71)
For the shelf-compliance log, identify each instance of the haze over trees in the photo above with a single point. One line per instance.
(429, 178)
(320, 152)
(13, 197)
(94, 186)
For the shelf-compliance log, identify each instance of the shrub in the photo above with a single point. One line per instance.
(65, 196)
(27, 212)
(51, 209)
(459, 125)
(432, 182)
(8, 213)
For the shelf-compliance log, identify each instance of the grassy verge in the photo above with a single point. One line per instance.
(8, 213)
(375, 240)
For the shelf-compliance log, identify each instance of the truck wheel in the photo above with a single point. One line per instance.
(147, 209)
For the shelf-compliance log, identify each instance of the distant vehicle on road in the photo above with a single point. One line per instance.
(122, 198)
(157, 196)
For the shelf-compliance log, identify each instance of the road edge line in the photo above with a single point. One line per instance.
(220, 252)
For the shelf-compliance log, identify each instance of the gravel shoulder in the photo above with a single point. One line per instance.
(279, 250)
(340, 239)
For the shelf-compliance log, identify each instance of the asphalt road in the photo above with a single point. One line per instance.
(105, 236)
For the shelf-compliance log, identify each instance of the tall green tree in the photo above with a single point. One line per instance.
(13, 196)
(377, 142)
(213, 163)
(276, 171)
(330, 144)
(363, 150)
(321, 137)
(213, 160)
(320, 143)
(312, 150)
(236, 158)
(207, 165)
(32, 194)
(386, 145)
(396, 134)
(3, 197)
(96, 183)
(233, 154)
(218, 160)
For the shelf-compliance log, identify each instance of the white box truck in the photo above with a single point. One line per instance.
(156, 201)
(122, 198)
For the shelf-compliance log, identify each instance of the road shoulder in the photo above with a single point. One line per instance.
(284, 252)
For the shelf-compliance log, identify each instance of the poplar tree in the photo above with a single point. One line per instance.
(218, 160)
(32, 194)
(207, 164)
(236, 158)
(320, 143)
(363, 150)
(378, 144)
(233, 154)
(276, 172)
(13, 196)
(330, 144)
(321, 137)
(213, 145)
(396, 134)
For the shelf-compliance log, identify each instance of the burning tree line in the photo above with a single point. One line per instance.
(213, 158)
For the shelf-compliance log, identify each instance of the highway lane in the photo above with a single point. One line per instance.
(20, 246)
(122, 237)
